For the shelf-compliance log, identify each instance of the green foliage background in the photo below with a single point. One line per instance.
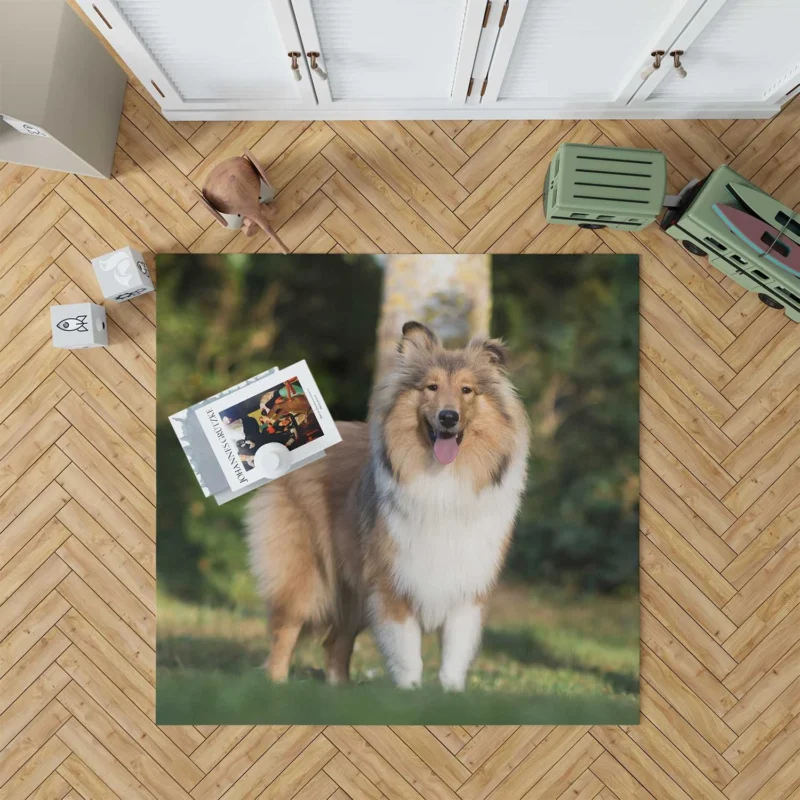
(572, 326)
(571, 323)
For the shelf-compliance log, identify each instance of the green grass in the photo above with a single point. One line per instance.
(546, 658)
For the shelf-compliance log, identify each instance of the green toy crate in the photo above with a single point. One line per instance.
(702, 232)
(598, 187)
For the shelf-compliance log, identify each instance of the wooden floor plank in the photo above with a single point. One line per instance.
(777, 603)
(299, 153)
(12, 176)
(301, 771)
(771, 686)
(437, 143)
(109, 478)
(152, 741)
(156, 164)
(31, 593)
(84, 782)
(489, 157)
(25, 199)
(31, 629)
(685, 448)
(87, 602)
(376, 226)
(30, 522)
(136, 108)
(108, 773)
(694, 676)
(130, 608)
(496, 185)
(686, 738)
(770, 138)
(396, 175)
(114, 521)
(37, 769)
(25, 562)
(30, 267)
(524, 779)
(353, 782)
(419, 161)
(384, 198)
(157, 202)
(682, 555)
(476, 133)
(209, 135)
(119, 743)
(31, 230)
(111, 553)
(38, 295)
(688, 596)
(235, 762)
(720, 488)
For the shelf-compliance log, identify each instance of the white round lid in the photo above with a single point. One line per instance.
(273, 459)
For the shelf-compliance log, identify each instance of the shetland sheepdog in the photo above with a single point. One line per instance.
(404, 526)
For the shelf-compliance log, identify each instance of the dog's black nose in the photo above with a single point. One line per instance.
(448, 418)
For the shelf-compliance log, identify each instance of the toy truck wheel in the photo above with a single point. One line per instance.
(693, 248)
(769, 301)
(592, 226)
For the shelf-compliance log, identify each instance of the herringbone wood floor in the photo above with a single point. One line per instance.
(720, 444)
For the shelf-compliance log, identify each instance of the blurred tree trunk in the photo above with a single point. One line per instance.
(451, 294)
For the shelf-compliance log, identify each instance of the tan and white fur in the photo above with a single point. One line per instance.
(404, 526)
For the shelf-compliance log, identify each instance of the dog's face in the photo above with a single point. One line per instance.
(447, 406)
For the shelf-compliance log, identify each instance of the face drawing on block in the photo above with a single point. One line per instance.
(120, 265)
(77, 324)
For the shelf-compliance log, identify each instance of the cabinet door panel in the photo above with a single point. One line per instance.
(581, 50)
(388, 53)
(208, 53)
(747, 51)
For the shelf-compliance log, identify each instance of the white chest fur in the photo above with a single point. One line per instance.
(449, 540)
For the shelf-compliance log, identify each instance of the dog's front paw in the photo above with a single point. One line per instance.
(409, 678)
(452, 683)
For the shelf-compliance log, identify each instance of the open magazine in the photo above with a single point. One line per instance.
(223, 436)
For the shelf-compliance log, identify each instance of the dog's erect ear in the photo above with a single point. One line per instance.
(415, 334)
(494, 349)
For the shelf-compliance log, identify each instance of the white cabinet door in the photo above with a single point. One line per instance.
(553, 53)
(384, 55)
(208, 54)
(745, 51)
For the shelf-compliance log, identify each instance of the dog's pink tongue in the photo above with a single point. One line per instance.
(445, 450)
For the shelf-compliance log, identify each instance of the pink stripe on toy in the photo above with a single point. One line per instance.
(764, 239)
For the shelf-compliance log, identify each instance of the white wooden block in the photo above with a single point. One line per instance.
(78, 325)
(122, 274)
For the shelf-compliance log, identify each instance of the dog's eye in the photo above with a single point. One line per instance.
(432, 386)
(466, 390)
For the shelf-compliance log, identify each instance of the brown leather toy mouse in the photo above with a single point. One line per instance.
(233, 194)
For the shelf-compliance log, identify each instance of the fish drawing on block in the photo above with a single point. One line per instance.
(77, 324)
(767, 241)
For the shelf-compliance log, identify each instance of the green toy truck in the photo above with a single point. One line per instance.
(702, 232)
(613, 187)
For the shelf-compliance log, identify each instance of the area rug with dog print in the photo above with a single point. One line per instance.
(398, 489)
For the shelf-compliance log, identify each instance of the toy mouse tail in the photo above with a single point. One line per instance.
(270, 231)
